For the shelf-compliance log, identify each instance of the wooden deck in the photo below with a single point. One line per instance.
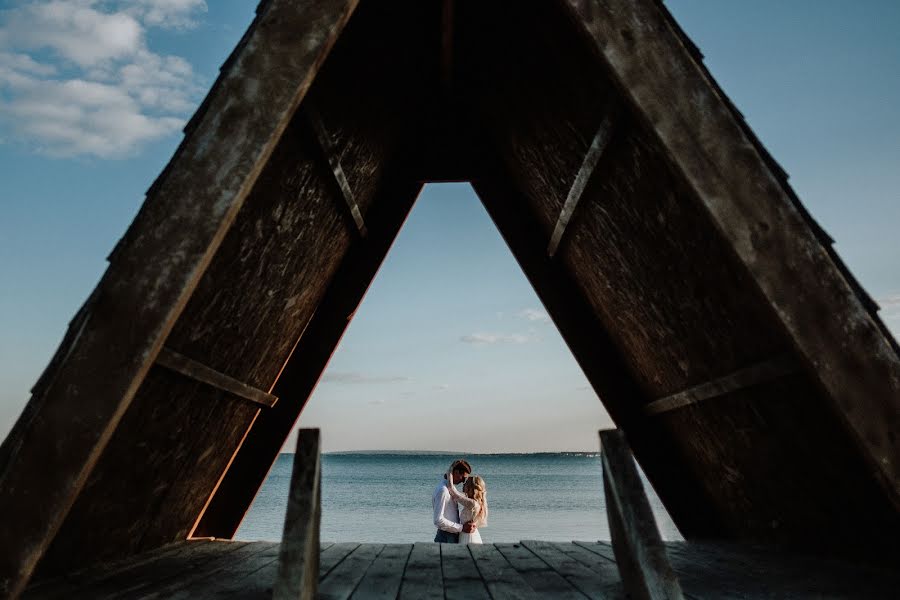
(530, 569)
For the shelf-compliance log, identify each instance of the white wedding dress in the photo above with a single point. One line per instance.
(470, 508)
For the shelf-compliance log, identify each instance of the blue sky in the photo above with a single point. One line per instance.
(451, 349)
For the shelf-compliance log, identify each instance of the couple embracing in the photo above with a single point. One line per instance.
(458, 516)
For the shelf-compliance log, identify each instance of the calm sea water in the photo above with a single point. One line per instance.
(387, 498)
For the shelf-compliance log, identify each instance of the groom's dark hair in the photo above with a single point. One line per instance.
(460, 466)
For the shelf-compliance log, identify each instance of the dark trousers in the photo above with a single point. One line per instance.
(445, 537)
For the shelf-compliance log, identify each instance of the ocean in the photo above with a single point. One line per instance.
(386, 497)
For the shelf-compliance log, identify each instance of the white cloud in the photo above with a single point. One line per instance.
(534, 315)
(496, 338)
(169, 13)
(353, 377)
(890, 303)
(77, 76)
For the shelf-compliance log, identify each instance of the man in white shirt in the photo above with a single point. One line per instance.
(446, 512)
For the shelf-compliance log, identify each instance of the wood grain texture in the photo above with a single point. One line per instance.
(73, 415)
(461, 577)
(298, 561)
(542, 578)
(500, 577)
(757, 374)
(640, 553)
(194, 370)
(384, 577)
(341, 581)
(754, 209)
(422, 578)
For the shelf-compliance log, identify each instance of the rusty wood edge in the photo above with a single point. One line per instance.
(298, 559)
(591, 158)
(27, 534)
(759, 373)
(638, 547)
(847, 354)
(192, 369)
(334, 162)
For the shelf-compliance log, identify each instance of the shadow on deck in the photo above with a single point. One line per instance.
(530, 569)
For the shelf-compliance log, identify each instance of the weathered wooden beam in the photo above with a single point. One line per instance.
(755, 210)
(753, 375)
(301, 372)
(639, 549)
(54, 446)
(298, 560)
(179, 363)
(598, 356)
(331, 155)
(595, 151)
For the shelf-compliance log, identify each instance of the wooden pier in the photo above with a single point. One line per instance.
(530, 569)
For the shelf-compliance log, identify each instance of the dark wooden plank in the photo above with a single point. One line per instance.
(539, 575)
(422, 577)
(301, 372)
(753, 375)
(461, 576)
(581, 577)
(341, 581)
(640, 553)
(602, 566)
(298, 562)
(179, 363)
(762, 220)
(65, 585)
(501, 578)
(250, 578)
(384, 576)
(225, 566)
(334, 162)
(741, 571)
(333, 555)
(591, 158)
(161, 572)
(151, 278)
(597, 352)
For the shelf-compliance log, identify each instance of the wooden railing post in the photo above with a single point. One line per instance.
(298, 561)
(640, 553)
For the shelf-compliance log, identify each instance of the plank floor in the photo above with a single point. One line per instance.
(530, 569)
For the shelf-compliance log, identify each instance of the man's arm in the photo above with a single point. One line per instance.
(440, 521)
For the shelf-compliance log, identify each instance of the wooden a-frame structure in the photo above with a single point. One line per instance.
(757, 386)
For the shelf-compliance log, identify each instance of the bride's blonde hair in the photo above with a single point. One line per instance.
(474, 488)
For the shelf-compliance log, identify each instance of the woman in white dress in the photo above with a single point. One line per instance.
(474, 505)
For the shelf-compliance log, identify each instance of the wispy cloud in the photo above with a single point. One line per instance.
(354, 378)
(890, 303)
(496, 338)
(77, 77)
(534, 315)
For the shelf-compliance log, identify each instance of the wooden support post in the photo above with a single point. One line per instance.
(52, 450)
(298, 561)
(743, 378)
(598, 145)
(315, 119)
(640, 553)
(190, 368)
